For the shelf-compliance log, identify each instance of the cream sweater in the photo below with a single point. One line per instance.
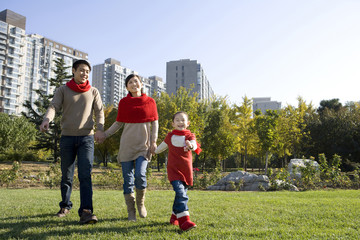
(135, 139)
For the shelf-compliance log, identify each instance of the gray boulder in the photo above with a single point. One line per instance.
(243, 181)
(296, 164)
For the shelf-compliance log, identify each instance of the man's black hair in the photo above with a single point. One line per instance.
(77, 63)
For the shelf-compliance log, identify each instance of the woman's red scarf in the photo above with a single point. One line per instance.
(188, 136)
(83, 87)
(137, 109)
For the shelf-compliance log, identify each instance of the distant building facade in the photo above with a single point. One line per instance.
(109, 78)
(264, 104)
(26, 62)
(187, 73)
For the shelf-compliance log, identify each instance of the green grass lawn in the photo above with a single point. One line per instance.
(332, 214)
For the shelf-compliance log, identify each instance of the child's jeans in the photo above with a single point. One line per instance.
(181, 198)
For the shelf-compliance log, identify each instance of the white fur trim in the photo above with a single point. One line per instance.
(182, 214)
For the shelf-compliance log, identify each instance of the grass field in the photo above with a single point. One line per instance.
(331, 214)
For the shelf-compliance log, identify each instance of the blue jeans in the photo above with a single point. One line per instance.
(181, 197)
(138, 179)
(82, 148)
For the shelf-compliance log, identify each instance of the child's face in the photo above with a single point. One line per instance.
(181, 121)
(134, 86)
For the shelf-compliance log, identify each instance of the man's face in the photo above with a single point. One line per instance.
(81, 74)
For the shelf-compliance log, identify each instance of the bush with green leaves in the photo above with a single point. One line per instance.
(8, 176)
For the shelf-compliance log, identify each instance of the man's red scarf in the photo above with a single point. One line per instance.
(83, 87)
(137, 109)
(188, 136)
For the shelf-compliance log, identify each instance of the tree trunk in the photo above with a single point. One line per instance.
(266, 162)
(245, 159)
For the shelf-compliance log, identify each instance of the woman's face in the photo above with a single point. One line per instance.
(134, 86)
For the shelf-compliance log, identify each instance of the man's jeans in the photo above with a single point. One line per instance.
(81, 147)
(138, 179)
(181, 198)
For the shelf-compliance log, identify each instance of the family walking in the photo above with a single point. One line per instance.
(138, 118)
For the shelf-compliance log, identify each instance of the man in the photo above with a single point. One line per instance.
(79, 102)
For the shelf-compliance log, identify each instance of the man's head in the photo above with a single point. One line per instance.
(81, 70)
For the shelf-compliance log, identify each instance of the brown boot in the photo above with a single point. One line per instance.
(130, 203)
(140, 202)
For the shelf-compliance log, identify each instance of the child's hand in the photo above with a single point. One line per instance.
(188, 146)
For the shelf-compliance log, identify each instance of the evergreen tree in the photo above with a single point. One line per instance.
(50, 139)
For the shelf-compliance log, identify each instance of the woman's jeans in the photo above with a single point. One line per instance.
(82, 148)
(137, 179)
(181, 198)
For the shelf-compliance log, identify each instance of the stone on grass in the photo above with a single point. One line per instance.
(296, 164)
(243, 181)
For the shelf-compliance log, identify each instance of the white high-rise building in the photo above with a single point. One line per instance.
(27, 62)
(187, 73)
(109, 78)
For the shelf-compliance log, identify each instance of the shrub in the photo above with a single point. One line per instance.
(10, 175)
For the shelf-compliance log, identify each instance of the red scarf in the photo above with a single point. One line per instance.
(137, 109)
(188, 136)
(83, 87)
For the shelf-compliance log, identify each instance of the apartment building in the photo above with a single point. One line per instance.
(265, 103)
(27, 62)
(109, 78)
(187, 73)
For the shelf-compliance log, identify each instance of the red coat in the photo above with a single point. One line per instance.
(179, 165)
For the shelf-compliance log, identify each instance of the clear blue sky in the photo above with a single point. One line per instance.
(260, 48)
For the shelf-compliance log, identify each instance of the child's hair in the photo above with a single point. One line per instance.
(77, 63)
(187, 116)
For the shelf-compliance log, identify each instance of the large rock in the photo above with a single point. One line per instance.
(244, 181)
(296, 164)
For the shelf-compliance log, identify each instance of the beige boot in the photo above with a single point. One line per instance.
(140, 202)
(130, 203)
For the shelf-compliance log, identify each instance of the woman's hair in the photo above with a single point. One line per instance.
(187, 116)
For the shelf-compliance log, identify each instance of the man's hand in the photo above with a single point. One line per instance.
(44, 126)
(100, 136)
(153, 148)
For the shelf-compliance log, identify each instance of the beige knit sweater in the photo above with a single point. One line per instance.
(135, 140)
(78, 109)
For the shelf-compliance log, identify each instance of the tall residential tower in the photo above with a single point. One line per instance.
(27, 62)
(187, 73)
(109, 78)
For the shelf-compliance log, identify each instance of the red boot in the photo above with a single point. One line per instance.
(185, 223)
(174, 220)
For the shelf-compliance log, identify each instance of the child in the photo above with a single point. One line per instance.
(179, 168)
(137, 113)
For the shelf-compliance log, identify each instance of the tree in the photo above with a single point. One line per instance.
(16, 133)
(245, 135)
(291, 130)
(265, 126)
(329, 104)
(218, 139)
(49, 140)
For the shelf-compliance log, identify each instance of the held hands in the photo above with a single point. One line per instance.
(153, 148)
(100, 136)
(188, 146)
